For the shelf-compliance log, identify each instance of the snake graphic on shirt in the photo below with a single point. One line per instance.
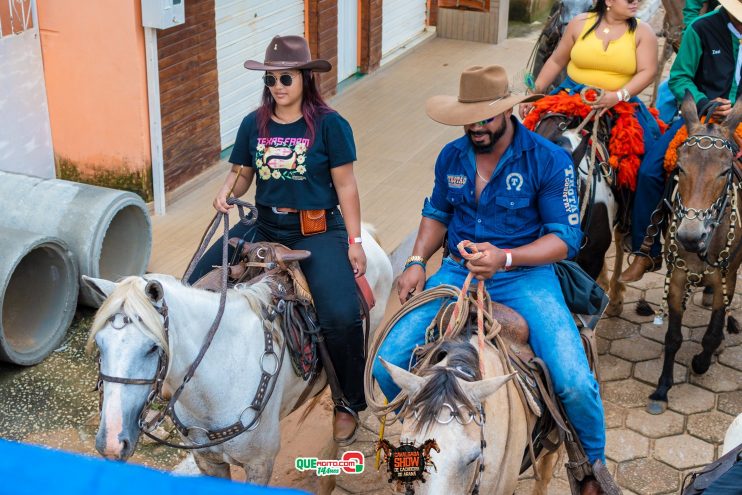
(281, 158)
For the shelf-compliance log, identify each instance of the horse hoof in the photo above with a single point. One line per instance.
(614, 309)
(700, 365)
(656, 407)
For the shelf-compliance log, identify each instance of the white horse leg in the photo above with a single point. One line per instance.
(544, 468)
(260, 469)
(616, 288)
(211, 468)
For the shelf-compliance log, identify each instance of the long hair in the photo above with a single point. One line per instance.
(312, 106)
(600, 9)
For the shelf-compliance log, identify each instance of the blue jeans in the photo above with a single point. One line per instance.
(666, 103)
(534, 293)
(650, 184)
(729, 483)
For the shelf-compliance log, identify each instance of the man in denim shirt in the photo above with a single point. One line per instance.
(512, 193)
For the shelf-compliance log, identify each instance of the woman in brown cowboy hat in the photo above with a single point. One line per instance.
(300, 153)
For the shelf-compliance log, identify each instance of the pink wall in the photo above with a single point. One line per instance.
(96, 82)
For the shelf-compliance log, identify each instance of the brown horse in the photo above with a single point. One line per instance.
(702, 246)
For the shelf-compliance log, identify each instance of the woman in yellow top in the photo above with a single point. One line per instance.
(608, 48)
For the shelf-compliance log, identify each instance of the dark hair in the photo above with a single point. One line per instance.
(312, 106)
(600, 9)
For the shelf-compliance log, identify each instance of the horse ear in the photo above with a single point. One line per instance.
(689, 111)
(405, 380)
(154, 291)
(734, 117)
(101, 287)
(480, 390)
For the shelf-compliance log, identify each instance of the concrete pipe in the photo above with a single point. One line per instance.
(108, 230)
(39, 283)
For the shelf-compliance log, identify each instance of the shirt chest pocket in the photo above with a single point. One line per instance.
(510, 213)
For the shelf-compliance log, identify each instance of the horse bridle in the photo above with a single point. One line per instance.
(118, 321)
(712, 215)
(262, 394)
(479, 419)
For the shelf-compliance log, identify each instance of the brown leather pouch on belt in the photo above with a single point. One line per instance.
(313, 221)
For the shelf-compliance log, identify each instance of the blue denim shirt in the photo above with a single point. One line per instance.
(531, 193)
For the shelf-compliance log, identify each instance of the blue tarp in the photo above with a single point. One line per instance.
(31, 470)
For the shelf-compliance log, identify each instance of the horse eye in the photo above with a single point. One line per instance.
(152, 350)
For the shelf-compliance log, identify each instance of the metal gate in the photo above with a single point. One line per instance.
(243, 30)
(25, 132)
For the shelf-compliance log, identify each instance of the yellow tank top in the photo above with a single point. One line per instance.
(609, 69)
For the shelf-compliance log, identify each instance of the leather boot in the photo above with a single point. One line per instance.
(590, 486)
(638, 267)
(344, 427)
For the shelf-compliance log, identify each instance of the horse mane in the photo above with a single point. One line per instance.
(462, 361)
(258, 295)
(130, 298)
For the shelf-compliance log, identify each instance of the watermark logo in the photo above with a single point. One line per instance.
(351, 462)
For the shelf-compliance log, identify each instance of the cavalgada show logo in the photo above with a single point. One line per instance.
(351, 462)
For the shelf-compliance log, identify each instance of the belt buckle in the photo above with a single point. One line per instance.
(278, 212)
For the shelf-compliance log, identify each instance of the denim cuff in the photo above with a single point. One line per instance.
(431, 211)
(572, 236)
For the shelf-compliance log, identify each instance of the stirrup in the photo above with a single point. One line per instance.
(341, 407)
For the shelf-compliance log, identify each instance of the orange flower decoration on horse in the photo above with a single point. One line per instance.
(671, 156)
(626, 144)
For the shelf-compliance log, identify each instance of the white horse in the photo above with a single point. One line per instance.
(603, 217)
(129, 332)
(444, 404)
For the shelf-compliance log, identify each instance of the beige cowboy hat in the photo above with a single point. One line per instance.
(734, 7)
(288, 52)
(483, 93)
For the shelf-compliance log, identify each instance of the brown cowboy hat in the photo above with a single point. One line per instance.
(288, 52)
(483, 93)
(734, 7)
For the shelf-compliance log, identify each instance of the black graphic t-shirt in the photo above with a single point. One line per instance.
(290, 171)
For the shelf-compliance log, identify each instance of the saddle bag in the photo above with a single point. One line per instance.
(313, 222)
(582, 294)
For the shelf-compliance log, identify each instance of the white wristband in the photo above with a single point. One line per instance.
(508, 258)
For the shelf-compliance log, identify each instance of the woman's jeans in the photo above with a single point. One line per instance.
(535, 293)
(650, 185)
(331, 280)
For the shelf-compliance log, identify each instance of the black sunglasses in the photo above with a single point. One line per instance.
(270, 80)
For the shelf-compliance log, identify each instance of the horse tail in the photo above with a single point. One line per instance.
(313, 403)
